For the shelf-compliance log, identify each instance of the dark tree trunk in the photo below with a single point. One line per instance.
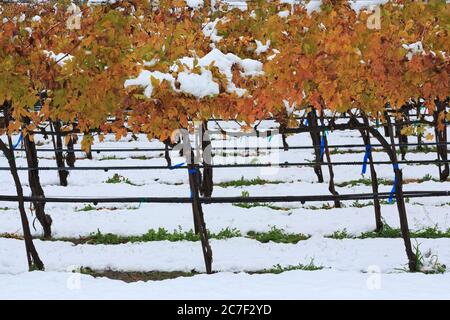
(441, 140)
(373, 176)
(283, 127)
(315, 137)
(36, 189)
(331, 186)
(419, 135)
(34, 262)
(199, 220)
(166, 152)
(402, 138)
(385, 126)
(58, 145)
(206, 188)
(390, 149)
(70, 156)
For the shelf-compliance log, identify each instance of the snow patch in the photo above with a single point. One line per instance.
(261, 48)
(200, 84)
(413, 48)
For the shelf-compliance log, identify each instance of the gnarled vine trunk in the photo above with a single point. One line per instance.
(36, 189)
(58, 145)
(315, 137)
(206, 188)
(440, 131)
(33, 259)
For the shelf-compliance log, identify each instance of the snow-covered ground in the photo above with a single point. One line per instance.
(352, 268)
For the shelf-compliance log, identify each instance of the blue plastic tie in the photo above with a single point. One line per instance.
(193, 170)
(177, 166)
(394, 187)
(366, 158)
(18, 142)
(322, 144)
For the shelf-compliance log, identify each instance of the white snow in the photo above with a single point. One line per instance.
(61, 58)
(195, 3)
(198, 85)
(413, 48)
(209, 30)
(203, 84)
(261, 48)
(325, 284)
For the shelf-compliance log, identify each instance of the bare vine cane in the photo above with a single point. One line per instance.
(373, 174)
(326, 151)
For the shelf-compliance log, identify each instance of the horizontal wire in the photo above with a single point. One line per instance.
(253, 199)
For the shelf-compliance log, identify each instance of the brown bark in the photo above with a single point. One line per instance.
(390, 150)
(58, 145)
(315, 137)
(207, 186)
(373, 177)
(36, 189)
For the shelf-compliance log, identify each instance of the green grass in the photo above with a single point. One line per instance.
(277, 235)
(246, 194)
(277, 269)
(161, 234)
(389, 232)
(87, 207)
(364, 181)
(382, 181)
(90, 207)
(117, 178)
(260, 204)
(242, 182)
(111, 158)
(392, 233)
(142, 157)
(155, 235)
(424, 149)
(340, 235)
(11, 236)
(427, 263)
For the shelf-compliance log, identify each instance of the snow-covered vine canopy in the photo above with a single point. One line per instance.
(163, 62)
